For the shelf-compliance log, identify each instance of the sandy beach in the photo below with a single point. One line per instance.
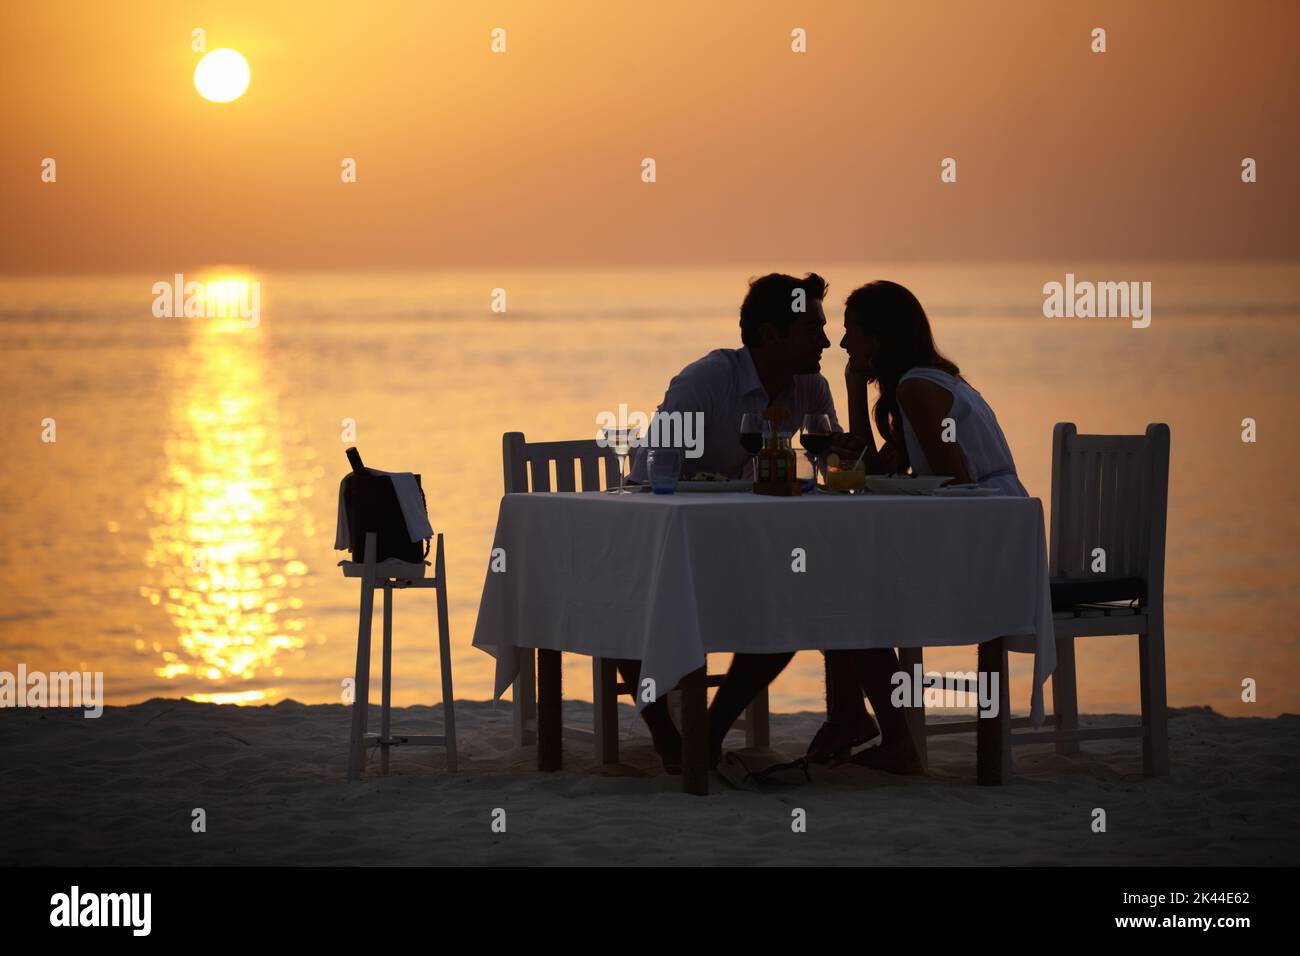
(122, 790)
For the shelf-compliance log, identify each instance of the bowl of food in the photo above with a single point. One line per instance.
(707, 481)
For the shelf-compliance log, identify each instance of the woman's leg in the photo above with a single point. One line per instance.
(897, 751)
(847, 722)
(844, 704)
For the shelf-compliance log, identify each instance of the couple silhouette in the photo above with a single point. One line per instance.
(929, 421)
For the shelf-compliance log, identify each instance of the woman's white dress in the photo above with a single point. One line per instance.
(980, 438)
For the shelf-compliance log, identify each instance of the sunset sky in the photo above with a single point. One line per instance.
(466, 157)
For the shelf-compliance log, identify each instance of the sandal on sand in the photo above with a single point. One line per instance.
(890, 761)
(835, 743)
(737, 774)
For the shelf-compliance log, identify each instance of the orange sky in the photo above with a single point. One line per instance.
(533, 157)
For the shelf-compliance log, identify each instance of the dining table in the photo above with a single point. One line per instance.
(667, 579)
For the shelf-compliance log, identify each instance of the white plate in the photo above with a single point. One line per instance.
(892, 485)
(964, 491)
(738, 484)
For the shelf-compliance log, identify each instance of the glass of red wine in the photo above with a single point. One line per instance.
(815, 436)
(751, 435)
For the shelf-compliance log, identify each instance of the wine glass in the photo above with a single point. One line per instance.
(751, 435)
(815, 437)
(619, 441)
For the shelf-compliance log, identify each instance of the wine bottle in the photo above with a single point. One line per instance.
(354, 456)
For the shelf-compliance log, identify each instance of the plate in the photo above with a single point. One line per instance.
(895, 485)
(964, 491)
(735, 485)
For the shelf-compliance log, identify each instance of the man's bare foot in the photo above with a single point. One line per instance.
(905, 762)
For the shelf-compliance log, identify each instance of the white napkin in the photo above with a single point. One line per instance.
(408, 496)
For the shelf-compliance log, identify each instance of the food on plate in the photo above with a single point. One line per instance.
(708, 476)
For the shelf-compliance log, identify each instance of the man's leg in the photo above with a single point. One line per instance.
(667, 740)
(746, 677)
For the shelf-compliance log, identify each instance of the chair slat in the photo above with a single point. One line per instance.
(541, 467)
(1109, 502)
(1072, 514)
(564, 475)
(1090, 501)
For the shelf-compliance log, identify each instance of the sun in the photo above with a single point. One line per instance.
(222, 76)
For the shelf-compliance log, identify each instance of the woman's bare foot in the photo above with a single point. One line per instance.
(669, 748)
(835, 741)
(900, 760)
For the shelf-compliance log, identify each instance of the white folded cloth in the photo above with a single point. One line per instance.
(408, 496)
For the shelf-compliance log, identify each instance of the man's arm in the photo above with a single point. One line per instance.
(687, 393)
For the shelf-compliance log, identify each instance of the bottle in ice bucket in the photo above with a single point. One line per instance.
(774, 469)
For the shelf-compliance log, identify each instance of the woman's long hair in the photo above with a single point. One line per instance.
(893, 315)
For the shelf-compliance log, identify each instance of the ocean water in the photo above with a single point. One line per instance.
(178, 533)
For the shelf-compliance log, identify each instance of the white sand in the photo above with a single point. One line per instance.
(120, 790)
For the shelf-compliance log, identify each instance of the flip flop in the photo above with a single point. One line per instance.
(737, 774)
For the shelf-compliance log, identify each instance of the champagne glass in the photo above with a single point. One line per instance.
(815, 437)
(751, 436)
(619, 440)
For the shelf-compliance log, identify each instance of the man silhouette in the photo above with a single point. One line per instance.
(782, 333)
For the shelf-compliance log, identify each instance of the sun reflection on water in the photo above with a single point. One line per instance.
(221, 559)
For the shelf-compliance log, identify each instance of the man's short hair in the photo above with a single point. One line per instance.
(771, 299)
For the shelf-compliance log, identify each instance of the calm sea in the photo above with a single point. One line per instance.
(178, 535)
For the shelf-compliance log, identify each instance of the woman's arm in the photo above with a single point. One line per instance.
(851, 443)
(926, 406)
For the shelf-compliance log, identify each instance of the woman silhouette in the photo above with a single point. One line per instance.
(932, 422)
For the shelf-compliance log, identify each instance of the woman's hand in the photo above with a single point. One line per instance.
(847, 445)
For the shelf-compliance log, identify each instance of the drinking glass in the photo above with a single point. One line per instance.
(619, 441)
(752, 427)
(665, 465)
(816, 437)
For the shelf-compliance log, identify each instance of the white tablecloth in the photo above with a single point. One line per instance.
(666, 579)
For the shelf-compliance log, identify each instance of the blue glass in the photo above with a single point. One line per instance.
(665, 465)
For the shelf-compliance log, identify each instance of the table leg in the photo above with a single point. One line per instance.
(604, 678)
(549, 704)
(695, 733)
(993, 734)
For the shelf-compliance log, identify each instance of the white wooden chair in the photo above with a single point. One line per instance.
(389, 576)
(521, 460)
(1109, 492)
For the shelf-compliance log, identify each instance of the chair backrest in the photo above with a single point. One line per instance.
(1110, 492)
(520, 458)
